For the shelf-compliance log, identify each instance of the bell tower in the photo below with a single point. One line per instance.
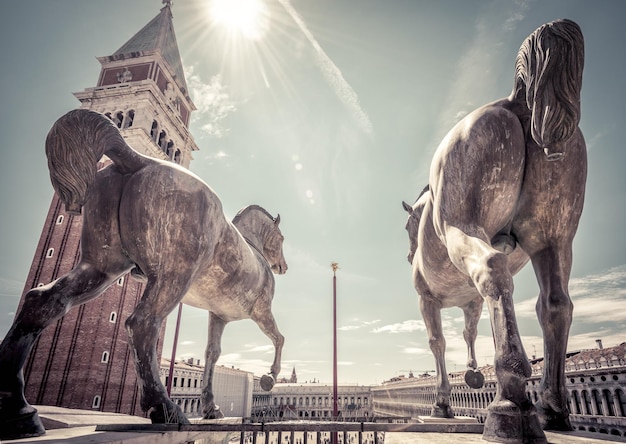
(84, 361)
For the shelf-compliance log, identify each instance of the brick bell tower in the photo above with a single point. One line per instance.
(84, 361)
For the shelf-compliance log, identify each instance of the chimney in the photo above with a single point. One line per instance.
(599, 343)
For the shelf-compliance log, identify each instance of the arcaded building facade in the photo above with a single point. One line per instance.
(312, 401)
(232, 387)
(595, 381)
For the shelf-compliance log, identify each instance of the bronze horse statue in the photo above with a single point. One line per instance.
(506, 186)
(163, 224)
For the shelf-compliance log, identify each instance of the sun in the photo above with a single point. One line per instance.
(249, 18)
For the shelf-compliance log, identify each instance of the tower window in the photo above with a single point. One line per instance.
(50, 252)
(60, 219)
(113, 317)
(119, 117)
(105, 357)
(96, 402)
(120, 281)
(154, 130)
(128, 121)
(177, 157)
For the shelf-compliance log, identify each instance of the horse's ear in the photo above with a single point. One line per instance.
(277, 220)
(408, 208)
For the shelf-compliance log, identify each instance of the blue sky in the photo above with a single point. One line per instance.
(330, 119)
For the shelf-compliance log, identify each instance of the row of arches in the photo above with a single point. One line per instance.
(159, 136)
(124, 120)
(319, 401)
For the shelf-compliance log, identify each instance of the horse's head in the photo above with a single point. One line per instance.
(261, 231)
(413, 222)
(273, 248)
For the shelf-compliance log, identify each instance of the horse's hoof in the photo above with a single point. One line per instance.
(267, 382)
(167, 414)
(474, 378)
(213, 413)
(442, 411)
(507, 423)
(27, 425)
(553, 420)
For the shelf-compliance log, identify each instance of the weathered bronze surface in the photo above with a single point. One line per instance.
(163, 224)
(506, 186)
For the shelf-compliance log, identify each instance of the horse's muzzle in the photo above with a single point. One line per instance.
(279, 268)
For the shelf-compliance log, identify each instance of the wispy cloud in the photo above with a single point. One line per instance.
(598, 298)
(212, 101)
(331, 73)
(481, 64)
(358, 324)
(408, 326)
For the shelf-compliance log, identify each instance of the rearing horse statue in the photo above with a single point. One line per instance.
(507, 185)
(163, 224)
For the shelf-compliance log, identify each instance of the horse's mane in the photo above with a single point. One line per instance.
(243, 211)
(548, 76)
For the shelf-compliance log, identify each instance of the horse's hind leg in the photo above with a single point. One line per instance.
(554, 310)
(431, 314)
(159, 298)
(511, 414)
(213, 351)
(264, 318)
(42, 306)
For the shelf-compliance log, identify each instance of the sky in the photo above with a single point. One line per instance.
(327, 112)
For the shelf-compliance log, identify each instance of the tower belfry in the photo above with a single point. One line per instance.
(84, 361)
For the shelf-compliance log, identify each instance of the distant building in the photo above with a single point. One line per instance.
(311, 401)
(84, 361)
(232, 388)
(595, 381)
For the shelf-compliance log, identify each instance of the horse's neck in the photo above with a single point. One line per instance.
(252, 232)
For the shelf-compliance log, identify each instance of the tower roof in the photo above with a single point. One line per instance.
(157, 36)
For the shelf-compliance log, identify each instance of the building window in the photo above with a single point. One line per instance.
(130, 116)
(119, 117)
(175, 381)
(113, 317)
(96, 402)
(60, 219)
(50, 252)
(105, 357)
(154, 131)
(120, 281)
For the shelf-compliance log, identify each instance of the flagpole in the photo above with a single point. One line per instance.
(171, 371)
(335, 266)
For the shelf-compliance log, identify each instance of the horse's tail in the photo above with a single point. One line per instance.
(75, 144)
(549, 69)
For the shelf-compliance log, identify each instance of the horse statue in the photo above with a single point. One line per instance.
(506, 186)
(163, 224)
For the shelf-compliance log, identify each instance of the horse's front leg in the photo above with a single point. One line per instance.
(511, 416)
(143, 326)
(431, 314)
(554, 310)
(262, 315)
(212, 354)
(472, 311)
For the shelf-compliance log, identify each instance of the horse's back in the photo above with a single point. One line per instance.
(477, 171)
(168, 216)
